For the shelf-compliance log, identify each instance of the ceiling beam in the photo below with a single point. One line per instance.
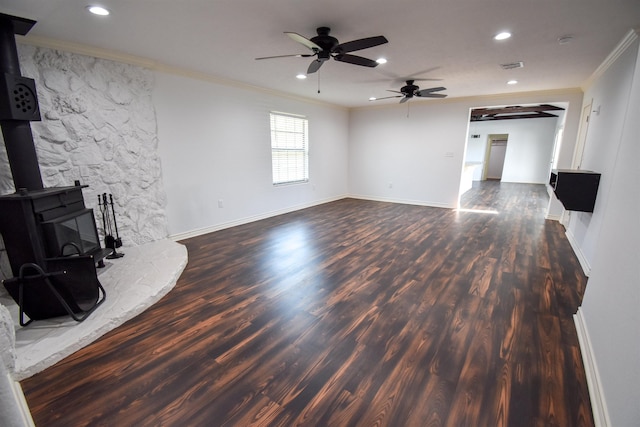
(486, 118)
(513, 112)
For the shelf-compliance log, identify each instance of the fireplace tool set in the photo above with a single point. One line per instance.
(109, 225)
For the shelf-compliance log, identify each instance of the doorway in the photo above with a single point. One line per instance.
(531, 143)
(495, 155)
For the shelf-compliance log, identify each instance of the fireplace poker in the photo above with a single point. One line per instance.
(109, 221)
(118, 240)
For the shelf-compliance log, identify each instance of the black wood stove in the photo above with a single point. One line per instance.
(47, 223)
(36, 223)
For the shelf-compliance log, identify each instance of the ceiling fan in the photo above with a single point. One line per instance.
(325, 47)
(410, 90)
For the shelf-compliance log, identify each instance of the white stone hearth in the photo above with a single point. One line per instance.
(132, 284)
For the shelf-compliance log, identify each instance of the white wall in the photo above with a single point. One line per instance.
(418, 159)
(611, 305)
(398, 158)
(476, 151)
(529, 147)
(611, 94)
(215, 145)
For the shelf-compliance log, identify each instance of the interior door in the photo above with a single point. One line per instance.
(496, 159)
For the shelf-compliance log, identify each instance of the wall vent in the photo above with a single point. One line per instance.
(512, 65)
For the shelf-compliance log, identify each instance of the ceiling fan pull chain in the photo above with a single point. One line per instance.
(318, 81)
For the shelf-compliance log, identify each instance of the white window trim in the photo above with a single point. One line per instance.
(294, 143)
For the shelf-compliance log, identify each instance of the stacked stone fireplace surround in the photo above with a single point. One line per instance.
(98, 127)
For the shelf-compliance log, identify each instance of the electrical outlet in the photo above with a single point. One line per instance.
(220, 203)
(391, 185)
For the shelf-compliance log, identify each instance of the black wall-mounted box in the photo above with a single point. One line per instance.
(576, 189)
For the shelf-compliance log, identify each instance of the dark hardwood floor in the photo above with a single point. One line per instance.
(352, 313)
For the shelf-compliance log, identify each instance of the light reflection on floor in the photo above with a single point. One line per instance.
(480, 211)
(289, 256)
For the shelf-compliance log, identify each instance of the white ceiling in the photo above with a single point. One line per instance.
(450, 40)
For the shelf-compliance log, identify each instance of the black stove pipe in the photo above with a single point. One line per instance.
(18, 103)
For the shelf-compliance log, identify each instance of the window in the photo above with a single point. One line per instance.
(289, 148)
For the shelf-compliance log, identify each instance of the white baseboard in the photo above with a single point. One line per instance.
(598, 402)
(22, 405)
(403, 201)
(200, 231)
(22, 414)
(584, 263)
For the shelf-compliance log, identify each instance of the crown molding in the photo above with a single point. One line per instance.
(112, 55)
(153, 65)
(624, 44)
(87, 50)
(477, 101)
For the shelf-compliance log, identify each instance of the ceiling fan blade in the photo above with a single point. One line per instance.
(299, 55)
(357, 60)
(304, 41)
(426, 92)
(395, 91)
(388, 97)
(432, 95)
(360, 44)
(405, 99)
(314, 66)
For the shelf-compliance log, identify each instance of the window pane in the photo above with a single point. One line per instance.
(289, 148)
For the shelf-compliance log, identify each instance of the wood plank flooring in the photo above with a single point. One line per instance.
(352, 313)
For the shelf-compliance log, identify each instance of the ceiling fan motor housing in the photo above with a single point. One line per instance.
(409, 89)
(325, 41)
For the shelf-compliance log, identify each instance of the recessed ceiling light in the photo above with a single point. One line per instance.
(98, 10)
(301, 76)
(512, 82)
(381, 60)
(502, 36)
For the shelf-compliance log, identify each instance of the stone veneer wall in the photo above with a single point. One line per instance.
(98, 126)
